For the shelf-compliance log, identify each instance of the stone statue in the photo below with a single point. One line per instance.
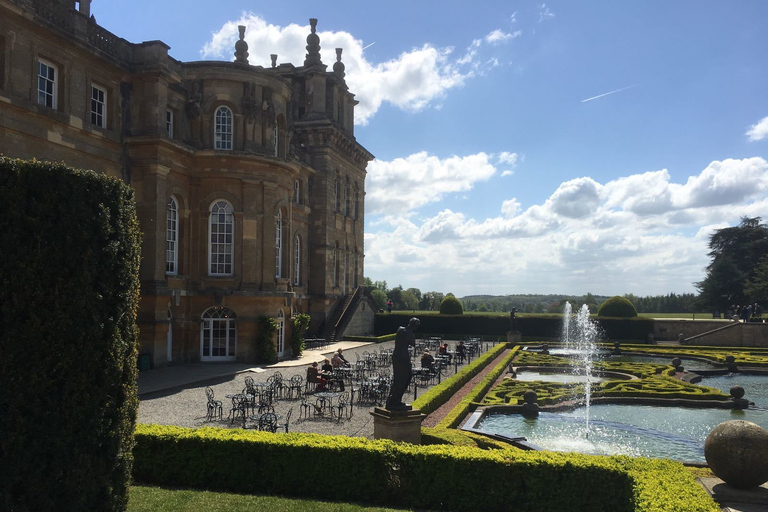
(401, 366)
(512, 321)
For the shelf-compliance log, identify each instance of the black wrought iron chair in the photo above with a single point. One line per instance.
(295, 386)
(306, 408)
(343, 405)
(240, 406)
(268, 422)
(215, 407)
(287, 420)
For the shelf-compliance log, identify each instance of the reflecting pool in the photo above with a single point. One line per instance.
(561, 378)
(755, 386)
(640, 431)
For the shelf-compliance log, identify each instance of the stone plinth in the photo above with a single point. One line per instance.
(401, 426)
(514, 337)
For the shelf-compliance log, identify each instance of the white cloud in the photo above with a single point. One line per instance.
(416, 79)
(759, 130)
(642, 233)
(406, 184)
(498, 36)
(545, 13)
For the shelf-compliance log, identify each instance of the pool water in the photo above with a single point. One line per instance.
(641, 431)
(561, 378)
(755, 386)
(688, 364)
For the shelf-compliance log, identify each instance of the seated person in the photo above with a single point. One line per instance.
(337, 362)
(461, 350)
(313, 375)
(326, 372)
(341, 356)
(427, 361)
(443, 351)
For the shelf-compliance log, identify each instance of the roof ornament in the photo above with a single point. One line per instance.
(241, 47)
(338, 66)
(313, 45)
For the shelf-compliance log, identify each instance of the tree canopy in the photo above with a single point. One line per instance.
(734, 275)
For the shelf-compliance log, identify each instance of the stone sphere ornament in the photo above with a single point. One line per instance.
(737, 392)
(737, 453)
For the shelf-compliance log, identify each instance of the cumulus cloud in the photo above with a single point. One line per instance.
(498, 36)
(759, 130)
(642, 233)
(414, 80)
(406, 184)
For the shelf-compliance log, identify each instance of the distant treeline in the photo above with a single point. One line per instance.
(670, 303)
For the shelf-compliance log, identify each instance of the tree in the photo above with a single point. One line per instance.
(430, 301)
(757, 287)
(451, 306)
(379, 297)
(735, 252)
(409, 300)
(416, 293)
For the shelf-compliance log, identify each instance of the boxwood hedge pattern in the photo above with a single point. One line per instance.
(68, 297)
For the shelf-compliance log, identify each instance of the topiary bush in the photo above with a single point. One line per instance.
(266, 352)
(300, 325)
(618, 307)
(68, 339)
(451, 306)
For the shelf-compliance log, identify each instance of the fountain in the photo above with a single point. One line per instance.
(581, 338)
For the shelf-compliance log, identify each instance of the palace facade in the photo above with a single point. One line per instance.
(249, 181)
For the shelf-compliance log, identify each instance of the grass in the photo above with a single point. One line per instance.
(158, 499)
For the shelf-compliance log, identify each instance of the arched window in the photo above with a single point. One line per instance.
(356, 259)
(297, 191)
(297, 260)
(221, 226)
(223, 130)
(279, 244)
(345, 271)
(218, 335)
(172, 237)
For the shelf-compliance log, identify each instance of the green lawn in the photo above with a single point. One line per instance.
(157, 499)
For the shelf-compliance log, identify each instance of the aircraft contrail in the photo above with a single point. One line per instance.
(607, 93)
(369, 45)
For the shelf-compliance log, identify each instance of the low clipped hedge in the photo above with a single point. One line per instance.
(371, 339)
(453, 437)
(467, 404)
(410, 476)
(69, 290)
(438, 395)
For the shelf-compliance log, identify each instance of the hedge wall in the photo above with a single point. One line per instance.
(68, 297)
(410, 476)
(543, 326)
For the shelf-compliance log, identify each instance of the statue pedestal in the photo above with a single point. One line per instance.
(401, 426)
(513, 337)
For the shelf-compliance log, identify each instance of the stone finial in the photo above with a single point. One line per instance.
(241, 47)
(313, 45)
(338, 66)
(273, 56)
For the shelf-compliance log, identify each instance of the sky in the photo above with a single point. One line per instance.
(525, 147)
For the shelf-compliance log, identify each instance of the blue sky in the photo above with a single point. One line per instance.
(525, 147)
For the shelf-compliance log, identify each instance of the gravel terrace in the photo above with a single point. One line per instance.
(186, 406)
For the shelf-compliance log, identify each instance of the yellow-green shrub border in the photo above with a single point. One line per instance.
(398, 474)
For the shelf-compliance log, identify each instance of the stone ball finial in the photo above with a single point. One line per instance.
(338, 66)
(737, 453)
(730, 359)
(313, 45)
(737, 392)
(241, 47)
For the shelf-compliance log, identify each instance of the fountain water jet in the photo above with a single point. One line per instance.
(581, 337)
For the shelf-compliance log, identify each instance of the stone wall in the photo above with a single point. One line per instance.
(713, 332)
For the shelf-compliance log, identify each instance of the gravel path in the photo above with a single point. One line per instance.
(441, 412)
(186, 406)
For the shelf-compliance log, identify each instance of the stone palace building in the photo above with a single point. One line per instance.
(249, 182)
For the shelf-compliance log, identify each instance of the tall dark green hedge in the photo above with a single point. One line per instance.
(544, 326)
(68, 298)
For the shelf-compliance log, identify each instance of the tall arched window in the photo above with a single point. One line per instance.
(297, 261)
(336, 265)
(221, 226)
(218, 335)
(223, 129)
(172, 237)
(345, 271)
(279, 244)
(276, 136)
